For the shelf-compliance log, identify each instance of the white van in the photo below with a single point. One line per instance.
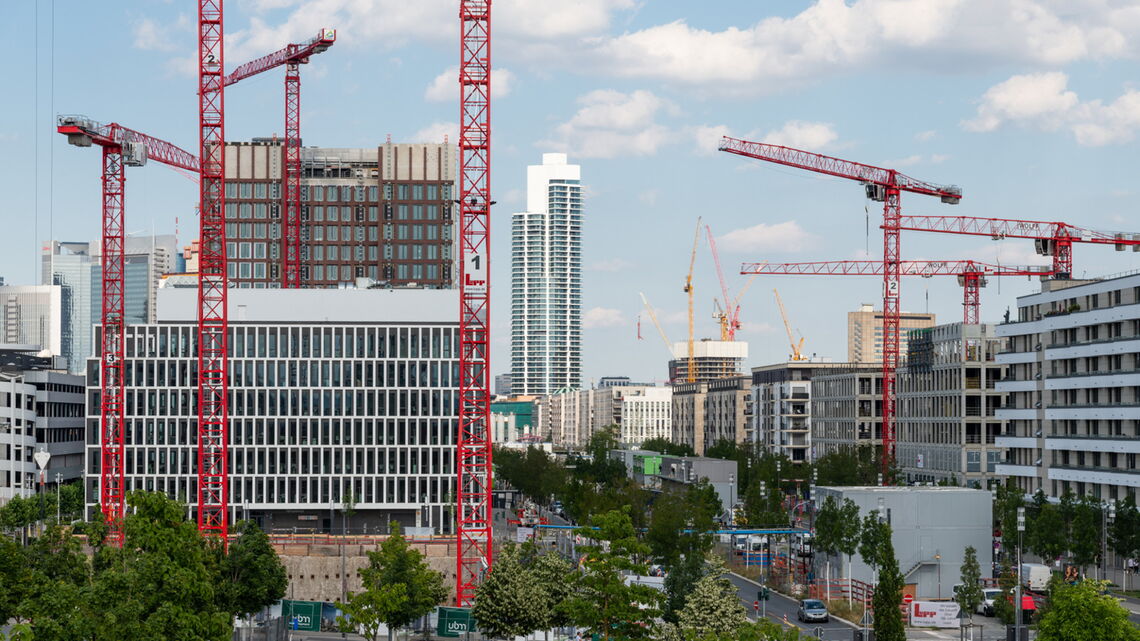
(1035, 576)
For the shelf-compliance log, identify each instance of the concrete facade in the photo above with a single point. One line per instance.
(847, 409)
(781, 421)
(865, 332)
(947, 423)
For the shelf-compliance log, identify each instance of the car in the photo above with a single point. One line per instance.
(986, 607)
(812, 610)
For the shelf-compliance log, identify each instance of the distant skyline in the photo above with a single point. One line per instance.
(1031, 106)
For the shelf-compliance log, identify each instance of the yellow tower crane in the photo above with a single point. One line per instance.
(797, 354)
(691, 374)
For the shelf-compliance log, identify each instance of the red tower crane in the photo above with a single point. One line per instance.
(292, 56)
(885, 185)
(1052, 238)
(213, 301)
(473, 447)
(971, 274)
(122, 148)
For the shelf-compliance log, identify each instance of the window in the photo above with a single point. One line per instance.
(318, 194)
(245, 250)
(417, 192)
(402, 212)
(318, 232)
(372, 252)
(373, 233)
(402, 232)
(259, 270)
(245, 210)
(373, 193)
(244, 270)
(259, 250)
(417, 232)
(372, 214)
(973, 461)
(432, 212)
(245, 230)
(346, 214)
(417, 212)
(260, 190)
(432, 251)
(402, 252)
(332, 232)
(432, 192)
(346, 194)
(333, 252)
(432, 232)
(318, 213)
(345, 272)
(402, 194)
(260, 210)
(245, 190)
(260, 230)
(231, 250)
(318, 252)
(231, 190)
(318, 272)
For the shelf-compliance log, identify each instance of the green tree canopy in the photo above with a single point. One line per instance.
(1083, 612)
(253, 575)
(713, 608)
(604, 603)
(888, 591)
(663, 445)
(509, 602)
(397, 563)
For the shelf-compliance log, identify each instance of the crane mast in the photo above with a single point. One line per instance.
(797, 355)
(122, 147)
(882, 185)
(213, 301)
(474, 443)
(691, 372)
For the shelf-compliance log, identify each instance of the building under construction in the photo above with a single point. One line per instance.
(712, 360)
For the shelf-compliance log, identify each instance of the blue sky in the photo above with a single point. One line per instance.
(1030, 105)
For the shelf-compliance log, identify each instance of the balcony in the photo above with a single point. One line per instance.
(1005, 469)
(1023, 442)
(1008, 358)
(1089, 474)
(1117, 444)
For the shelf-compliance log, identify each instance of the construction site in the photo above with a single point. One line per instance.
(320, 361)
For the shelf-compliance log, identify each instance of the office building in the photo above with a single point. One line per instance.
(782, 394)
(72, 267)
(32, 316)
(569, 418)
(946, 425)
(1072, 392)
(712, 360)
(41, 408)
(503, 385)
(546, 280)
(865, 332)
(644, 413)
(336, 394)
(846, 409)
(146, 260)
(384, 213)
(513, 420)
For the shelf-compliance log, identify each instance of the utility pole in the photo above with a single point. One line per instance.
(58, 487)
(1107, 516)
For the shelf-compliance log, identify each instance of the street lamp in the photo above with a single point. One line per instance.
(1108, 515)
(938, 559)
(731, 497)
(58, 485)
(1017, 589)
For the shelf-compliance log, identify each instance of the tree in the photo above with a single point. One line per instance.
(970, 595)
(662, 445)
(604, 604)
(509, 603)
(548, 572)
(679, 583)
(1124, 535)
(713, 607)
(1085, 545)
(365, 611)
(253, 576)
(1084, 612)
(1047, 534)
(837, 528)
(163, 583)
(1009, 497)
(874, 535)
(397, 563)
(888, 592)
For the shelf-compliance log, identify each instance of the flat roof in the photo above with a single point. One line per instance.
(180, 305)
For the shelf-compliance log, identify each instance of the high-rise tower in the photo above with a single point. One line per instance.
(546, 280)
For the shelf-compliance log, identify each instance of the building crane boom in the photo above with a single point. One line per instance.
(886, 186)
(1052, 238)
(122, 147)
(724, 314)
(291, 56)
(797, 347)
(971, 274)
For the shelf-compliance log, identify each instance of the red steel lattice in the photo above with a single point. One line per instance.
(474, 443)
(213, 321)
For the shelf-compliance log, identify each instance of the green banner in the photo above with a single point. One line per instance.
(302, 615)
(453, 622)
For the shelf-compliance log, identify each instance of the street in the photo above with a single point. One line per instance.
(779, 606)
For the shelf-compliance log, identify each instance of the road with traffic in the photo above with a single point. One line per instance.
(778, 606)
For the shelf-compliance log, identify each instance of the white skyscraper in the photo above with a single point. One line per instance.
(546, 280)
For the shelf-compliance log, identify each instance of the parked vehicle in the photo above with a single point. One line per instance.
(1035, 576)
(986, 607)
(812, 610)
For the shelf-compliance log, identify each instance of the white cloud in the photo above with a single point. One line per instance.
(610, 265)
(603, 317)
(611, 123)
(554, 20)
(151, 35)
(445, 86)
(832, 37)
(925, 136)
(1043, 101)
(1012, 253)
(649, 197)
(916, 159)
(803, 135)
(707, 138)
(437, 132)
(782, 237)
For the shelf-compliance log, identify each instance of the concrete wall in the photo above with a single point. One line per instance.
(926, 522)
(314, 571)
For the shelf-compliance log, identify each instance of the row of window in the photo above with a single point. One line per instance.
(343, 193)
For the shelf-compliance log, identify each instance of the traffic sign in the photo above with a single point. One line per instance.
(908, 599)
(867, 619)
(817, 632)
(755, 605)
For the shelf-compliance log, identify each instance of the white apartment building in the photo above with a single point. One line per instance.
(646, 413)
(334, 393)
(947, 425)
(570, 417)
(546, 280)
(32, 316)
(1072, 393)
(17, 437)
(781, 422)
